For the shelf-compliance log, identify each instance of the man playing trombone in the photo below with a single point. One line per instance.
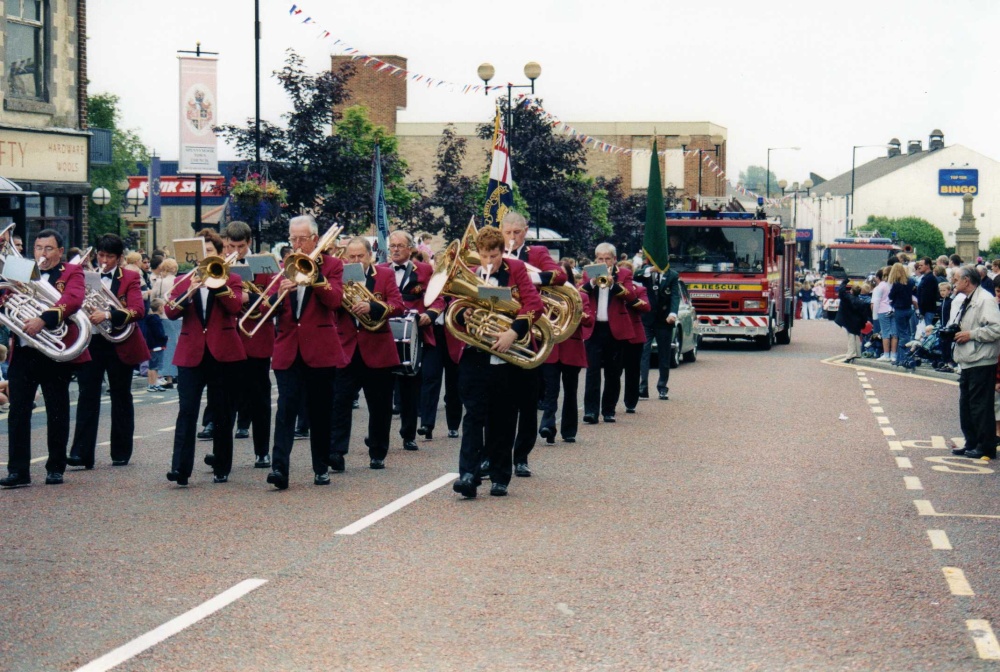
(33, 365)
(123, 306)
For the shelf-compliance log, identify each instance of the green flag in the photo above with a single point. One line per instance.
(654, 238)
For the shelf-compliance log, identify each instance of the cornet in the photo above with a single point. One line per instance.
(212, 272)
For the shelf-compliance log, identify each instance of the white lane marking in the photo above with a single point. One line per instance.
(877, 409)
(34, 461)
(912, 483)
(873, 400)
(986, 642)
(389, 509)
(167, 429)
(957, 583)
(164, 403)
(171, 628)
(866, 386)
(882, 420)
(895, 445)
(939, 540)
(925, 508)
(888, 431)
(904, 463)
(869, 393)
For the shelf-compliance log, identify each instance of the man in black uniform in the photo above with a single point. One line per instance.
(664, 293)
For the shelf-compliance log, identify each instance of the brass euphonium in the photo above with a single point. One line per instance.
(98, 297)
(485, 321)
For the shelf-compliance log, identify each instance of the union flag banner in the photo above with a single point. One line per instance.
(499, 192)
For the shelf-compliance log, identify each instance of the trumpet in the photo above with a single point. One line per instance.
(603, 281)
(302, 269)
(211, 272)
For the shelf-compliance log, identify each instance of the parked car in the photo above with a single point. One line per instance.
(687, 340)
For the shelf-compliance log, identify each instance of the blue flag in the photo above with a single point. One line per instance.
(499, 193)
(153, 188)
(378, 209)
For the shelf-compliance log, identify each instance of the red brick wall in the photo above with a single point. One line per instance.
(381, 93)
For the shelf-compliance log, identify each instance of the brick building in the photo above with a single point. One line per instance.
(44, 143)
(381, 94)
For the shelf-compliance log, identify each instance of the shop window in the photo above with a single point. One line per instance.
(50, 212)
(25, 54)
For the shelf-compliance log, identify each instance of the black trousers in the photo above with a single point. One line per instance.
(438, 367)
(569, 376)
(526, 385)
(377, 384)
(28, 370)
(221, 380)
(409, 404)
(489, 425)
(663, 334)
(632, 364)
(975, 408)
(297, 385)
(254, 403)
(90, 376)
(604, 355)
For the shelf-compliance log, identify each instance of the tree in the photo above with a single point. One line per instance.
(454, 193)
(549, 171)
(127, 151)
(925, 238)
(626, 215)
(994, 249)
(755, 179)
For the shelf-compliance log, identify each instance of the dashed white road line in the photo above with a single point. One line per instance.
(389, 509)
(912, 483)
(882, 420)
(957, 583)
(877, 409)
(904, 463)
(888, 431)
(895, 445)
(939, 540)
(171, 628)
(986, 642)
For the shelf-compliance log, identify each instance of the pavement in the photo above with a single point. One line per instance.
(782, 511)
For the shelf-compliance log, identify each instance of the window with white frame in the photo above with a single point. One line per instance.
(25, 55)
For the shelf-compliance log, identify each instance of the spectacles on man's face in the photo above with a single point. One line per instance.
(47, 249)
(399, 247)
(295, 239)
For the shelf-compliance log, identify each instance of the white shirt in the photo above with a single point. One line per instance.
(204, 303)
(400, 273)
(602, 304)
(300, 293)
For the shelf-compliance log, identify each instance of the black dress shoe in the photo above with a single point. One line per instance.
(980, 455)
(242, 433)
(321, 479)
(465, 486)
(484, 467)
(410, 445)
(958, 451)
(425, 431)
(630, 410)
(119, 463)
(300, 434)
(210, 459)
(220, 478)
(521, 469)
(663, 396)
(262, 462)
(206, 431)
(569, 439)
(53, 478)
(644, 394)
(548, 433)
(355, 404)
(452, 433)
(376, 464)
(609, 418)
(15, 479)
(395, 410)
(336, 462)
(75, 461)
(498, 490)
(590, 419)
(278, 479)
(175, 477)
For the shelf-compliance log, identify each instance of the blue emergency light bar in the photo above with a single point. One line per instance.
(863, 241)
(692, 214)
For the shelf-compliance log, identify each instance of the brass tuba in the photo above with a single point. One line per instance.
(484, 320)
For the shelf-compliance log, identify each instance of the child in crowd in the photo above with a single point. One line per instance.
(156, 339)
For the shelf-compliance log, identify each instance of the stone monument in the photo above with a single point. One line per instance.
(967, 235)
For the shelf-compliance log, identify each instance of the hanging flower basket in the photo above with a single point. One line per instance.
(256, 197)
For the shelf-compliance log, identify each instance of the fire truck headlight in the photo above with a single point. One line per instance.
(754, 304)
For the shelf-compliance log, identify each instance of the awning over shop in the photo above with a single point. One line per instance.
(9, 188)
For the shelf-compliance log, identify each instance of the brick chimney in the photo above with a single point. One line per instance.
(936, 140)
(894, 149)
(914, 147)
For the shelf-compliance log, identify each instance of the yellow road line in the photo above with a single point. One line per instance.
(939, 540)
(957, 583)
(986, 642)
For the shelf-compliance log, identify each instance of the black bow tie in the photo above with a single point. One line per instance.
(400, 268)
(109, 276)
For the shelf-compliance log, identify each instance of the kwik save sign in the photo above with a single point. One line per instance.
(172, 186)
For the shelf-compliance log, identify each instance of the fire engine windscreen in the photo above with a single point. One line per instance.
(854, 262)
(716, 249)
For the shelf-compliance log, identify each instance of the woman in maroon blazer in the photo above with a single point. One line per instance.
(632, 354)
(564, 363)
(370, 358)
(208, 345)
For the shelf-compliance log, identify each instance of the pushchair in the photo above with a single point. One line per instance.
(871, 343)
(928, 350)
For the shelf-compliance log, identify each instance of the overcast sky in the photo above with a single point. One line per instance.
(821, 76)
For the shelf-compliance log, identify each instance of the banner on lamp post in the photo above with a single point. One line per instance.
(155, 211)
(199, 114)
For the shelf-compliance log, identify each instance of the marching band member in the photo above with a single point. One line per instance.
(411, 278)
(441, 366)
(665, 301)
(116, 359)
(487, 383)
(307, 354)
(31, 368)
(370, 356)
(612, 329)
(632, 349)
(207, 348)
(564, 363)
(528, 381)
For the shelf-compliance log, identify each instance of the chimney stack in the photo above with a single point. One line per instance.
(914, 147)
(936, 140)
(894, 148)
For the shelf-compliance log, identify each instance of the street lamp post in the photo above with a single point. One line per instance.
(716, 140)
(767, 190)
(532, 70)
(854, 152)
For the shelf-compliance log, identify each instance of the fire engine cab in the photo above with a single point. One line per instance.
(740, 273)
(853, 258)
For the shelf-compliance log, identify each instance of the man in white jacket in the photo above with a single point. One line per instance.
(977, 345)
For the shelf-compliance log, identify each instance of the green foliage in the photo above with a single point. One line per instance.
(127, 150)
(455, 194)
(994, 248)
(626, 215)
(926, 239)
(755, 179)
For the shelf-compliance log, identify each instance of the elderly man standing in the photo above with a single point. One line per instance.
(977, 345)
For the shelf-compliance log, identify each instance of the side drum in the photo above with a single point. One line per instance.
(406, 333)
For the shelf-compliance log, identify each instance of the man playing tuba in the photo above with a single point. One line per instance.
(31, 367)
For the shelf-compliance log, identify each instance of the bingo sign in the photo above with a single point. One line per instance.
(955, 182)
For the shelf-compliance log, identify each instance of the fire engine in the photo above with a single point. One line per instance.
(740, 271)
(853, 258)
